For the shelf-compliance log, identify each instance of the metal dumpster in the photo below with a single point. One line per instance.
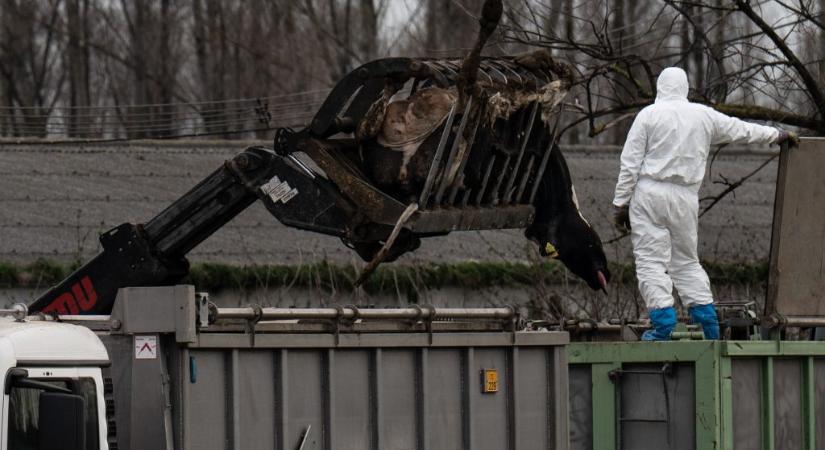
(741, 395)
(330, 378)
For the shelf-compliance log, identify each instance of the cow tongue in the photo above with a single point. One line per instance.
(602, 281)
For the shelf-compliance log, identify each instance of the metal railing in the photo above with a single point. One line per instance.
(415, 313)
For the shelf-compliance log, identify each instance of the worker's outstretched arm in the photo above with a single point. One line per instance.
(633, 154)
(730, 129)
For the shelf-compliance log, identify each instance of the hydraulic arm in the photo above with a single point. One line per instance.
(154, 253)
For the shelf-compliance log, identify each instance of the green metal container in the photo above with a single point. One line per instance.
(743, 395)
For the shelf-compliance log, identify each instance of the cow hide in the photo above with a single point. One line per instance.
(397, 155)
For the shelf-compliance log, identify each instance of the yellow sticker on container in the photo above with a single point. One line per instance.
(490, 381)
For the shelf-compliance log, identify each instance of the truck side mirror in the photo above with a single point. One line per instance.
(62, 422)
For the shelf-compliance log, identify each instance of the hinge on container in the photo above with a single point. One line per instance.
(340, 320)
(250, 324)
(428, 321)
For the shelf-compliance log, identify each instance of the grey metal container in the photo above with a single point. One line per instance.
(295, 386)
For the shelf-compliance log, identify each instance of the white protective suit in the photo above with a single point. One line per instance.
(662, 167)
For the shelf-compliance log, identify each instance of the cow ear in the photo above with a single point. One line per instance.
(551, 250)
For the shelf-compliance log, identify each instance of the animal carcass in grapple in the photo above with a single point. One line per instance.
(398, 158)
(510, 132)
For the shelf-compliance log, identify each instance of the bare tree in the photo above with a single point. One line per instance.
(346, 32)
(212, 53)
(28, 53)
(177, 55)
(789, 93)
(77, 62)
(450, 27)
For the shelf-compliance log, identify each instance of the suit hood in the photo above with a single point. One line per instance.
(672, 84)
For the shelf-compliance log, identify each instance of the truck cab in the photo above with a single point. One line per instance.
(53, 395)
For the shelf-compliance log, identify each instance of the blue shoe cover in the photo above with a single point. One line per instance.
(663, 321)
(705, 316)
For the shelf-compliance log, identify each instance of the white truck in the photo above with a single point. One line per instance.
(53, 386)
(168, 370)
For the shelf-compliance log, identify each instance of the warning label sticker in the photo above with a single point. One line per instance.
(279, 191)
(288, 196)
(146, 347)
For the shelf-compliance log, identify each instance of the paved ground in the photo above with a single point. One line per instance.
(56, 198)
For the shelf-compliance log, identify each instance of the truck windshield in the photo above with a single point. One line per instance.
(24, 412)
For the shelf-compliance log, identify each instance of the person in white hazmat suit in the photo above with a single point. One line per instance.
(662, 167)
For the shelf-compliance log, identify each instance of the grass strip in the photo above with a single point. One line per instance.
(216, 277)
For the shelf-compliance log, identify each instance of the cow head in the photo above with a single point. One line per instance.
(560, 230)
(571, 240)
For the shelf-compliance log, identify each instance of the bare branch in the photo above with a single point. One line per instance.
(813, 89)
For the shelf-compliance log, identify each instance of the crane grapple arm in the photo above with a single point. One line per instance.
(154, 253)
(467, 157)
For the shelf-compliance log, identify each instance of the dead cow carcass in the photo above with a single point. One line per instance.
(494, 152)
(406, 148)
(399, 139)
